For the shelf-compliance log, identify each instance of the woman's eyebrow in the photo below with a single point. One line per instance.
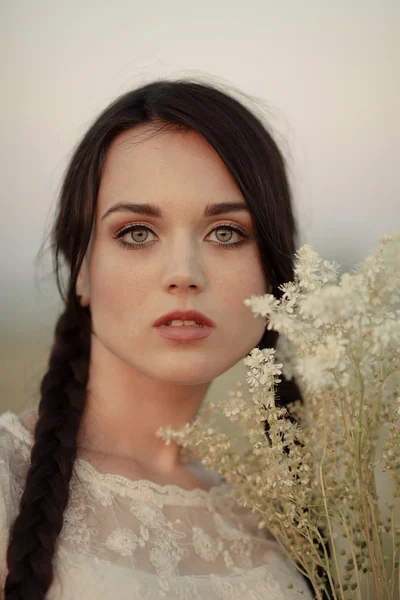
(152, 210)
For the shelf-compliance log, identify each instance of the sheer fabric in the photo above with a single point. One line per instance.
(138, 540)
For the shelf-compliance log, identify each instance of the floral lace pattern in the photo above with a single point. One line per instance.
(140, 540)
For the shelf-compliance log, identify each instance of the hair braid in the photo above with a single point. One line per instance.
(34, 533)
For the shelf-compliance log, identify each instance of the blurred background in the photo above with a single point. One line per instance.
(325, 75)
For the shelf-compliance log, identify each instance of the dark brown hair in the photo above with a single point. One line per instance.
(256, 165)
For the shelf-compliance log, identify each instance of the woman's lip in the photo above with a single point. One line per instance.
(184, 333)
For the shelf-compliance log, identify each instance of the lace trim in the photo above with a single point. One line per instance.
(122, 485)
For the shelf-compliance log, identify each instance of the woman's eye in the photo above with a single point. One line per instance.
(133, 236)
(136, 236)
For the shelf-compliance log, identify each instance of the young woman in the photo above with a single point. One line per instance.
(175, 207)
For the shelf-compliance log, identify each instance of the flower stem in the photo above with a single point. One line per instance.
(378, 543)
(393, 553)
(321, 477)
(350, 536)
(364, 492)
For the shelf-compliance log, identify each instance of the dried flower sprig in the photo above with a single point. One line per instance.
(311, 468)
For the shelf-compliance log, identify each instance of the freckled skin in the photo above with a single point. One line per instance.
(180, 268)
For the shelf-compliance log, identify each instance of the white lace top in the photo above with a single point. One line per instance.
(138, 540)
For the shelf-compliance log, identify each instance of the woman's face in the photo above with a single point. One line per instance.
(180, 266)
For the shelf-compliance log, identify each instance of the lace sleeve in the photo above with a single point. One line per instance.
(12, 472)
(5, 500)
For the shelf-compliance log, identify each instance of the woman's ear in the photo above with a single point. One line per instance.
(82, 284)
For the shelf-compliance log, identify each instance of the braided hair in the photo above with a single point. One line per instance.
(34, 532)
(258, 168)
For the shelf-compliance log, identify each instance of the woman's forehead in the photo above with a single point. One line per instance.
(144, 165)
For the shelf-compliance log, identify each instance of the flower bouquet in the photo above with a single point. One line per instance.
(309, 471)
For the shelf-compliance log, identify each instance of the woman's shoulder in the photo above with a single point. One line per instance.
(28, 418)
(15, 445)
(16, 429)
(15, 448)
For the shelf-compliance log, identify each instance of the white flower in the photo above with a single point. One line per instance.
(317, 368)
(306, 267)
(263, 369)
(233, 406)
(385, 337)
(336, 304)
(262, 305)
